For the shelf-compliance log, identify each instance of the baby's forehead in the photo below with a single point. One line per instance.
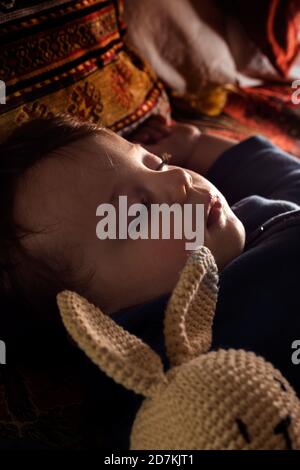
(73, 179)
(79, 173)
(103, 148)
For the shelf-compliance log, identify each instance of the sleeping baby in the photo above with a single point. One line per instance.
(56, 171)
(60, 171)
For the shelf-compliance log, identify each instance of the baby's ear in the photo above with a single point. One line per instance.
(191, 308)
(123, 356)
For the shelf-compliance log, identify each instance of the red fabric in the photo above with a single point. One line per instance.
(274, 26)
(283, 33)
(267, 110)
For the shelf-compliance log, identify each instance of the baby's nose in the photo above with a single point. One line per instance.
(176, 184)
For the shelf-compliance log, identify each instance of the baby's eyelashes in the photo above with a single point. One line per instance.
(165, 159)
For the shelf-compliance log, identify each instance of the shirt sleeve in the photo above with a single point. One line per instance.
(256, 167)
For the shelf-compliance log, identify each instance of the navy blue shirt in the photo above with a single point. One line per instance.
(258, 307)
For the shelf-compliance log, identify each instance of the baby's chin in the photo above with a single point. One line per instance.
(230, 243)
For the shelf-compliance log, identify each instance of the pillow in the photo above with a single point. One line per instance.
(186, 43)
(198, 47)
(183, 41)
(69, 57)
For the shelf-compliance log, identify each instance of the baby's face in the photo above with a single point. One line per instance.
(59, 198)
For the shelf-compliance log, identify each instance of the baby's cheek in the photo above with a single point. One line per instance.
(170, 256)
(228, 243)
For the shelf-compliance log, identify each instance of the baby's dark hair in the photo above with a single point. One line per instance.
(28, 286)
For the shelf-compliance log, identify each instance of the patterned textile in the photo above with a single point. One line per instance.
(267, 110)
(69, 56)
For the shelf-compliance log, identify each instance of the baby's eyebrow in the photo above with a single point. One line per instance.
(109, 159)
(134, 149)
(114, 193)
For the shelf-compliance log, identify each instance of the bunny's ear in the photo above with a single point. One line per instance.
(191, 308)
(123, 356)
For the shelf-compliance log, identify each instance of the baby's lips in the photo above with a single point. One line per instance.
(214, 211)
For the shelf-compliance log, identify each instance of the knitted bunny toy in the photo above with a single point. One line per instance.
(225, 399)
